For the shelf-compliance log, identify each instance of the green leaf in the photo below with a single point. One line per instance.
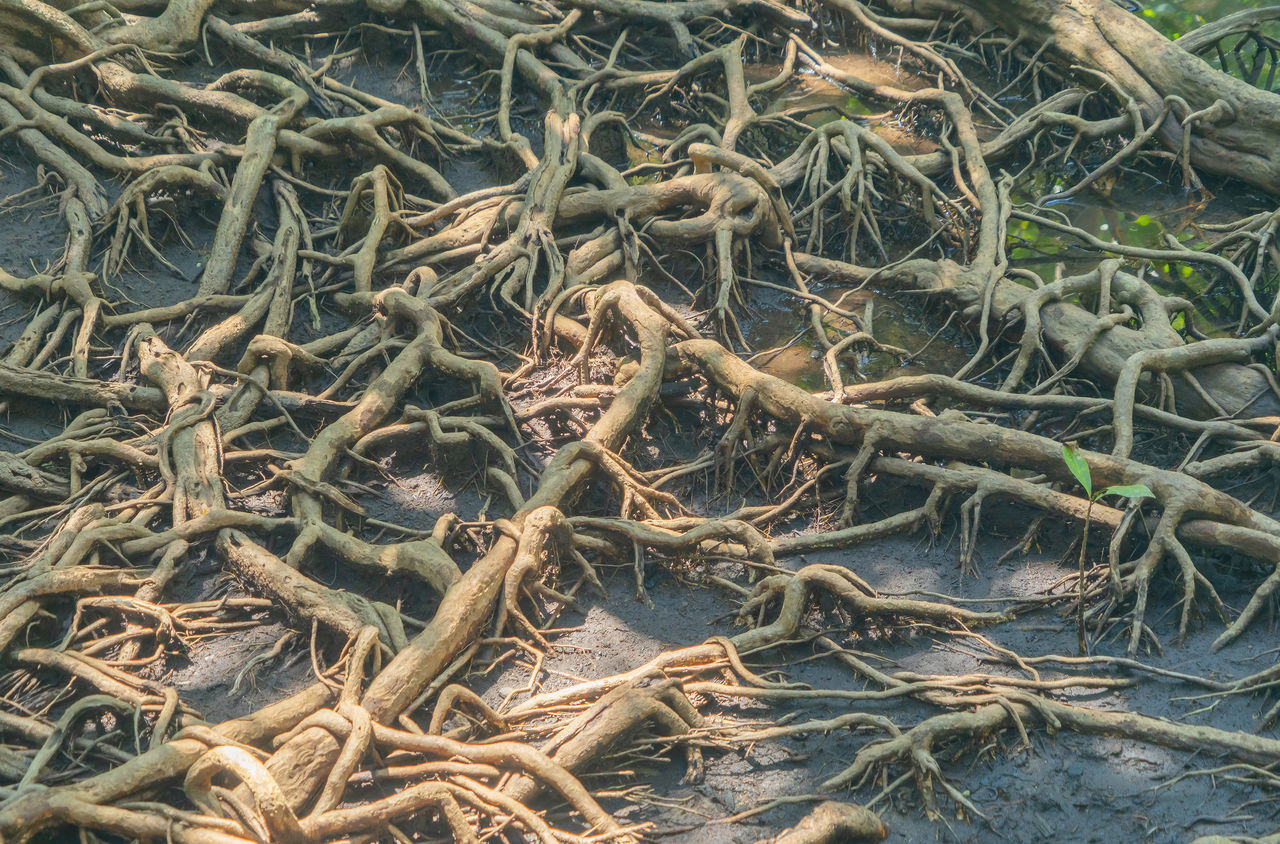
(1079, 468)
(1130, 491)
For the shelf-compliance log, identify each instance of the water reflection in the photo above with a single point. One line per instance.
(1137, 210)
(1179, 17)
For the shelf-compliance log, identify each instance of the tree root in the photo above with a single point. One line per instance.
(529, 336)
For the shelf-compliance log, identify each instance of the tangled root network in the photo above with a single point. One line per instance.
(526, 246)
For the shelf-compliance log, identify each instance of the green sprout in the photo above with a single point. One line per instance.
(1080, 469)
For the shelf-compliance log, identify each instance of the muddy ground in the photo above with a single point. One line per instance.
(1060, 788)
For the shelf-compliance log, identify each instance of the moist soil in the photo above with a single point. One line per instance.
(1063, 787)
(1056, 787)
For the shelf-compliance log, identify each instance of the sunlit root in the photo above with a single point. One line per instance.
(853, 593)
(831, 822)
(613, 720)
(1018, 709)
(539, 337)
(950, 437)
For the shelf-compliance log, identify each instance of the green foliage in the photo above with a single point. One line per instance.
(1175, 18)
(1080, 469)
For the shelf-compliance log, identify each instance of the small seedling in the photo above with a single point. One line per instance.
(1080, 469)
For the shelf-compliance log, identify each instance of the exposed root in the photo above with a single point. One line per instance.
(560, 348)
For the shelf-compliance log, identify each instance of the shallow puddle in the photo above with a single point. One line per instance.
(781, 328)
